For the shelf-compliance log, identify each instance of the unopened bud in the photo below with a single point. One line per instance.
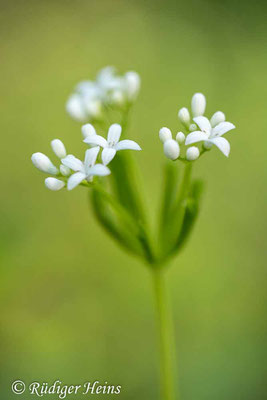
(88, 130)
(43, 163)
(65, 171)
(58, 148)
(192, 153)
(180, 137)
(171, 149)
(198, 104)
(184, 116)
(217, 118)
(165, 134)
(54, 184)
(133, 83)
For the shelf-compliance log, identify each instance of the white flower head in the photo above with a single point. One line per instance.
(112, 144)
(58, 148)
(192, 153)
(211, 135)
(165, 134)
(43, 163)
(171, 149)
(84, 170)
(54, 184)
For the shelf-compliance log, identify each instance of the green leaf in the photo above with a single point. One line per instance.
(125, 186)
(115, 223)
(190, 215)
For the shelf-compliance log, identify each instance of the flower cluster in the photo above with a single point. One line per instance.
(74, 171)
(198, 128)
(109, 90)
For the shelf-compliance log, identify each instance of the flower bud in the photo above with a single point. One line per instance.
(192, 153)
(75, 108)
(180, 137)
(171, 149)
(133, 83)
(54, 184)
(65, 171)
(43, 163)
(58, 148)
(88, 130)
(198, 104)
(165, 134)
(184, 116)
(217, 118)
(192, 127)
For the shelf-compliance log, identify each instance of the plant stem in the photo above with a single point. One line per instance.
(166, 335)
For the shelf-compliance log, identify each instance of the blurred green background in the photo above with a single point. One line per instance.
(75, 307)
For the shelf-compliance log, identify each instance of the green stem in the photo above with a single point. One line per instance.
(166, 336)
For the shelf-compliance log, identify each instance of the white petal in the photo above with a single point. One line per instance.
(107, 155)
(73, 163)
(203, 123)
(198, 104)
(96, 140)
(127, 145)
(217, 118)
(90, 157)
(99, 170)
(114, 134)
(54, 184)
(195, 137)
(75, 180)
(58, 148)
(222, 128)
(88, 130)
(222, 145)
(43, 163)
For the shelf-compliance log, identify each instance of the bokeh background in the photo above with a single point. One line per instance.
(75, 307)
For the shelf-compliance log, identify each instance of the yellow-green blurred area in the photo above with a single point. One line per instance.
(74, 306)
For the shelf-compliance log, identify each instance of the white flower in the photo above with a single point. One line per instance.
(217, 118)
(192, 153)
(54, 184)
(112, 144)
(165, 134)
(84, 170)
(198, 104)
(180, 137)
(184, 116)
(58, 148)
(211, 135)
(171, 149)
(43, 163)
